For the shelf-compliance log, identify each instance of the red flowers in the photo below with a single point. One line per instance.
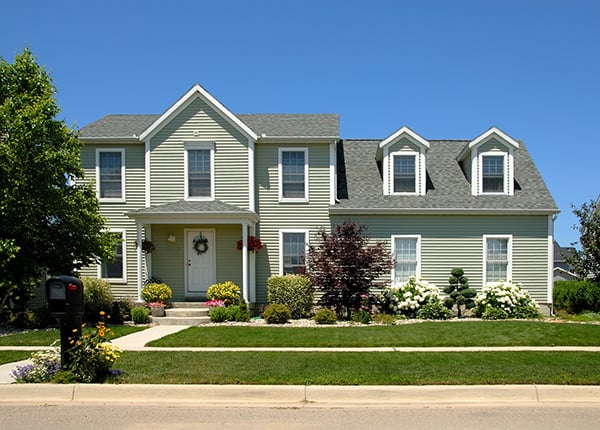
(254, 244)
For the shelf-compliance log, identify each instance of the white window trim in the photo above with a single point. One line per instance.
(393, 250)
(420, 173)
(417, 157)
(122, 280)
(305, 199)
(281, 233)
(197, 145)
(505, 171)
(509, 256)
(508, 169)
(123, 188)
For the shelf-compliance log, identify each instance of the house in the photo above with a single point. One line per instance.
(197, 178)
(563, 271)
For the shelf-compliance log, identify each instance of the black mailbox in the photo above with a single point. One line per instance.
(64, 296)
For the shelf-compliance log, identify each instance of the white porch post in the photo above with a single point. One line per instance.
(253, 269)
(139, 260)
(245, 262)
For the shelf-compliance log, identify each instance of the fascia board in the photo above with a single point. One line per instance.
(115, 140)
(441, 211)
(404, 130)
(193, 218)
(484, 137)
(297, 139)
(184, 101)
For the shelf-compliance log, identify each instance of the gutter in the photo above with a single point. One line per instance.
(440, 211)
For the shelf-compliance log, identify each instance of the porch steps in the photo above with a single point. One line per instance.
(184, 313)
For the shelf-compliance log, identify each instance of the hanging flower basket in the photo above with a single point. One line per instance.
(254, 244)
(147, 246)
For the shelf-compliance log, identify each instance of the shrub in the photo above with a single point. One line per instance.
(458, 291)
(434, 311)
(409, 297)
(294, 291)
(325, 316)
(509, 297)
(140, 314)
(238, 313)
(156, 293)
(494, 314)
(277, 313)
(577, 296)
(226, 291)
(121, 311)
(384, 319)
(361, 316)
(219, 314)
(30, 319)
(97, 297)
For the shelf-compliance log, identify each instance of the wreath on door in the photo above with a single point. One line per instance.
(200, 244)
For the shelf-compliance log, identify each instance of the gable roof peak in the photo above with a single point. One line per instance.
(195, 92)
(401, 132)
(491, 132)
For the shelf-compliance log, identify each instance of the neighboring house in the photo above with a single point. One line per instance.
(198, 178)
(563, 271)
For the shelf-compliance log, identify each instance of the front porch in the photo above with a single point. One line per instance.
(184, 313)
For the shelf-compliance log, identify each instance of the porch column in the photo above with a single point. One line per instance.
(139, 260)
(253, 268)
(245, 262)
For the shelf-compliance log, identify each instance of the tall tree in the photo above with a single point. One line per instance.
(49, 218)
(586, 261)
(344, 266)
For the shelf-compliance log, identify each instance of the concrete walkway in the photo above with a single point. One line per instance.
(258, 395)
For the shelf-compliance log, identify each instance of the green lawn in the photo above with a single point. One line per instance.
(47, 337)
(12, 356)
(426, 334)
(328, 368)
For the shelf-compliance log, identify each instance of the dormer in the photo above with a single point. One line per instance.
(488, 161)
(402, 156)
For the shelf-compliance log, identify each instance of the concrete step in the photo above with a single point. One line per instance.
(187, 312)
(169, 320)
(189, 305)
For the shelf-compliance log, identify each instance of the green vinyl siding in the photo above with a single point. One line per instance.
(198, 122)
(276, 215)
(449, 241)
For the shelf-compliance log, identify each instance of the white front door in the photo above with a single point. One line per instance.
(200, 262)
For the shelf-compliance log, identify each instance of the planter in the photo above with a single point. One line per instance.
(157, 312)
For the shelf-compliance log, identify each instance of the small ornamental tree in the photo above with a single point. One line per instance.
(458, 291)
(344, 267)
(586, 261)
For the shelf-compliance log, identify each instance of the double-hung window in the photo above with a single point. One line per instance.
(407, 256)
(293, 251)
(497, 258)
(199, 170)
(293, 174)
(115, 270)
(110, 174)
(405, 173)
(492, 173)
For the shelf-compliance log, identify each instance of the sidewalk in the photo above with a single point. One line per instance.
(260, 395)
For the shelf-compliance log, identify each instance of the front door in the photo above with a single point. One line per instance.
(200, 262)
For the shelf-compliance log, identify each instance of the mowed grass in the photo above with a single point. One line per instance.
(12, 356)
(383, 368)
(49, 336)
(425, 334)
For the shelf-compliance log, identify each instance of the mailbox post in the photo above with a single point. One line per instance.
(64, 298)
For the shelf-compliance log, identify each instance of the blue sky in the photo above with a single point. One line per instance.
(447, 69)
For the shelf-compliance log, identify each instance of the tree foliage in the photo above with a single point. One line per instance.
(344, 267)
(586, 261)
(49, 220)
(458, 291)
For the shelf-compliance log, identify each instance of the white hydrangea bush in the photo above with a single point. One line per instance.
(406, 299)
(505, 299)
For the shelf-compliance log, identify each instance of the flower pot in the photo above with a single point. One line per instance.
(157, 312)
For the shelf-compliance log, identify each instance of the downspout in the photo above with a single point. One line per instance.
(551, 219)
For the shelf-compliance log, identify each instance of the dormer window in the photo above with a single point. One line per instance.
(488, 162)
(403, 159)
(405, 173)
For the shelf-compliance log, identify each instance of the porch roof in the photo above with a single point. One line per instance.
(194, 212)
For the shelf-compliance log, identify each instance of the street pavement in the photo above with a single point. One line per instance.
(294, 395)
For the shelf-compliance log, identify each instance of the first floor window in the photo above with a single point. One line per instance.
(497, 259)
(404, 174)
(406, 250)
(116, 268)
(293, 252)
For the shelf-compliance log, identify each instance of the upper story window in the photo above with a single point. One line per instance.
(110, 174)
(293, 174)
(493, 173)
(403, 160)
(405, 177)
(199, 170)
(292, 251)
(497, 258)
(407, 257)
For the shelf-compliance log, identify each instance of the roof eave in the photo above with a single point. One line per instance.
(193, 217)
(297, 139)
(441, 211)
(109, 139)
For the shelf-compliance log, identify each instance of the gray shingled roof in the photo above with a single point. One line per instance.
(360, 183)
(189, 207)
(274, 125)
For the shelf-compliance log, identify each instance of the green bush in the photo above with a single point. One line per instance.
(294, 291)
(577, 296)
(384, 319)
(434, 311)
(219, 314)
(152, 293)
(277, 313)
(511, 298)
(31, 319)
(494, 314)
(97, 297)
(121, 311)
(140, 314)
(238, 313)
(325, 316)
(226, 291)
(361, 316)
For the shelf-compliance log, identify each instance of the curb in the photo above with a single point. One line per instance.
(295, 395)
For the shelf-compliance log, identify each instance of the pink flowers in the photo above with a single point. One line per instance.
(214, 304)
(156, 305)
